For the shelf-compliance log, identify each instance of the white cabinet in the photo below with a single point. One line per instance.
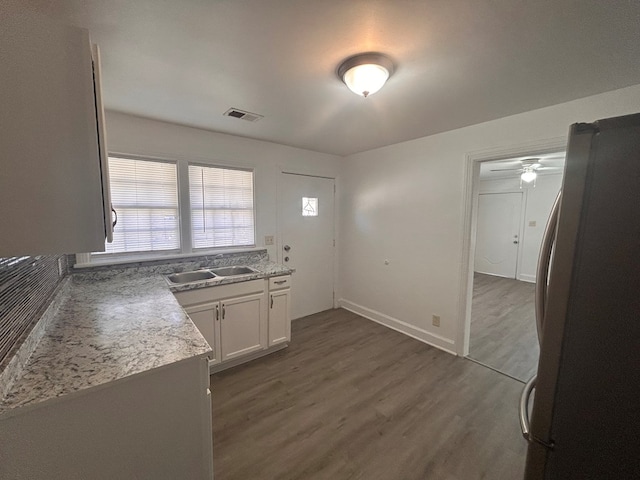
(279, 310)
(242, 326)
(155, 424)
(54, 189)
(206, 318)
(233, 318)
(241, 321)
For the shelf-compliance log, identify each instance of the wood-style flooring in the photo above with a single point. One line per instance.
(503, 329)
(351, 399)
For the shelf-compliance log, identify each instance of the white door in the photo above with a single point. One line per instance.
(497, 237)
(306, 240)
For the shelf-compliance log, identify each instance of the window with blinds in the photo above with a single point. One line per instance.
(145, 196)
(221, 201)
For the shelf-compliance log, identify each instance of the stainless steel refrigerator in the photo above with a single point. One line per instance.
(585, 400)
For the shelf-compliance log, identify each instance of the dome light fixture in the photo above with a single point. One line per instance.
(366, 73)
(528, 176)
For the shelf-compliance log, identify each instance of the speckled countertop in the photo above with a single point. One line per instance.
(111, 324)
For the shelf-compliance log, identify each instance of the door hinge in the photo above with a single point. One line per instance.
(334, 242)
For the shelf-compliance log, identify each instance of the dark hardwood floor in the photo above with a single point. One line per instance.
(503, 329)
(351, 399)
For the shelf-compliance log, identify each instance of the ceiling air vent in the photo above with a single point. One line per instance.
(248, 116)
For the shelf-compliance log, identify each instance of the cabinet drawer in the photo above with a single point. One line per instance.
(277, 283)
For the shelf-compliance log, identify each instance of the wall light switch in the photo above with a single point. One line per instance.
(532, 223)
(268, 239)
(436, 320)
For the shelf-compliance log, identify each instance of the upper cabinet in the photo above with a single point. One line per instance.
(54, 185)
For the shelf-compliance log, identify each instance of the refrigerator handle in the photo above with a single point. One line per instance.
(524, 408)
(544, 261)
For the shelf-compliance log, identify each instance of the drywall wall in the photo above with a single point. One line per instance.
(405, 203)
(538, 201)
(127, 134)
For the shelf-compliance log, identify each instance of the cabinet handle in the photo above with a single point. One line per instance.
(223, 311)
(271, 301)
(217, 312)
(280, 282)
(115, 222)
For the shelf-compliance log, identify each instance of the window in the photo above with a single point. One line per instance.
(309, 207)
(221, 201)
(157, 219)
(145, 195)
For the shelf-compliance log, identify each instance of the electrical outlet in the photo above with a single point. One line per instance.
(268, 240)
(435, 320)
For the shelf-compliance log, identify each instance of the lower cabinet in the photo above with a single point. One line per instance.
(155, 424)
(279, 316)
(233, 318)
(242, 326)
(242, 320)
(204, 316)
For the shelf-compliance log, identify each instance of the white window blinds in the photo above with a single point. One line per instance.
(145, 195)
(221, 207)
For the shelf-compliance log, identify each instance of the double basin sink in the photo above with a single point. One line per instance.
(197, 275)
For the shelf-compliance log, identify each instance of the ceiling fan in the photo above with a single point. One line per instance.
(528, 169)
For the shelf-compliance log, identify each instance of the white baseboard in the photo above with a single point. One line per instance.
(527, 278)
(398, 325)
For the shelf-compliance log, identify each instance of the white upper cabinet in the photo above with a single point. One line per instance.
(54, 186)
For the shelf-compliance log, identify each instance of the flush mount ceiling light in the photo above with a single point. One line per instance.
(528, 174)
(366, 73)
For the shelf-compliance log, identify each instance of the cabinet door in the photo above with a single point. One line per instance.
(205, 317)
(50, 187)
(242, 326)
(279, 317)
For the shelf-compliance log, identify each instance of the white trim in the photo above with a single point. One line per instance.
(523, 277)
(470, 208)
(412, 331)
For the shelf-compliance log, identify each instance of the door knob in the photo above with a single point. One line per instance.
(286, 259)
(515, 241)
(287, 248)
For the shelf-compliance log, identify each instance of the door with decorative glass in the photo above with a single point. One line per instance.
(306, 240)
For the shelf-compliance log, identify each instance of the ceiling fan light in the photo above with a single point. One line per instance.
(366, 73)
(528, 175)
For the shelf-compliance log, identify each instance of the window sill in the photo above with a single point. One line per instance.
(100, 262)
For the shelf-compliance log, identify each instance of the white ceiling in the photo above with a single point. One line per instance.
(550, 164)
(459, 62)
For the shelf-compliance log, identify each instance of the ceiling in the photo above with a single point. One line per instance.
(549, 164)
(459, 62)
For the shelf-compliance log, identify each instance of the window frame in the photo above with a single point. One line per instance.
(103, 258)
(184, 217)
(201, 250)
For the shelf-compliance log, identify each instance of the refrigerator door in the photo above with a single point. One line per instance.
(584, 418)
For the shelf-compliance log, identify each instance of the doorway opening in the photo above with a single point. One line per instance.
(511, 211)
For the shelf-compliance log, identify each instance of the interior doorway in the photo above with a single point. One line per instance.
(510, 217)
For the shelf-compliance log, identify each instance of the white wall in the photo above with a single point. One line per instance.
(127, 134)
(538, 201)
(406, 203)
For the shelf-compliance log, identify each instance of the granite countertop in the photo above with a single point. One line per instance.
(264, 269)
(111, 324)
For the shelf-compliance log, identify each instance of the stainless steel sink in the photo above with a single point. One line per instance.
(232, 271)
(186, 277)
